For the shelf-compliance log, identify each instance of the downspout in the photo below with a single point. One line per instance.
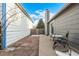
(4, 27)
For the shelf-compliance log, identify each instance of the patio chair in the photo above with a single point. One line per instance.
(62, 41)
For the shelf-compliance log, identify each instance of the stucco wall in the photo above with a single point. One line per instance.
(17, 25)
(68, 20)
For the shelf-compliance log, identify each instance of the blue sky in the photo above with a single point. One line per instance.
(36, 9)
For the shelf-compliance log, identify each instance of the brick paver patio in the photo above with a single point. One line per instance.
(28, 46)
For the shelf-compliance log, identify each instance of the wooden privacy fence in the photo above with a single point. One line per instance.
(37, 31)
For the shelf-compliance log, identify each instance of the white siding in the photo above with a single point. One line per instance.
(68, 20)
(50, 27)
(0, 11)
(18, 28)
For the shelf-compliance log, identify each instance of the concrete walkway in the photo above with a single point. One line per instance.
(45, 46)
(35, 45)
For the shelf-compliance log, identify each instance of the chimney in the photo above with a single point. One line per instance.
(47, 15)
(46, 20)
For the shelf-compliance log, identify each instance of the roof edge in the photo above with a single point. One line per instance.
(23, 10)
(62, 9)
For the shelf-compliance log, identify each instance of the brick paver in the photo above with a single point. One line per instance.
(28, 46)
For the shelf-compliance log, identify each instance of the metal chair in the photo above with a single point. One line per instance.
(62, 40)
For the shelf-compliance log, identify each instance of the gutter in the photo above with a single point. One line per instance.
(60, 11)
(22, 9)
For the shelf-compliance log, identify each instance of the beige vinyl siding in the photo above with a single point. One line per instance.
(0, 11)
(18, 28)
(51, 24)
(68, 20)
(0, 24)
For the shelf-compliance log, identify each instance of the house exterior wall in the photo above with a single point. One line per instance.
(0, 11)
(0, 23)
(68, 20)
(18, 24)
(51, 24)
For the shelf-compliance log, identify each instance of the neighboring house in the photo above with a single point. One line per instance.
(67, 19)
(16, 23)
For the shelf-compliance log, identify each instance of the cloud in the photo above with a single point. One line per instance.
(34, 16)
(51, 15)
(38, 11)
(36, 23)
(41, 14)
